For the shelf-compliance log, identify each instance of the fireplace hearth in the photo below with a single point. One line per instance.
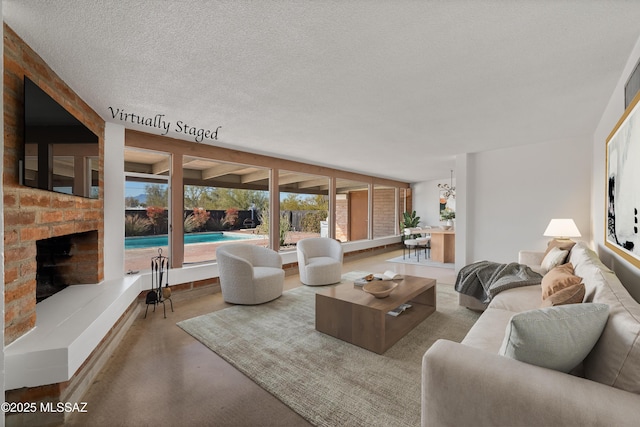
(65, 260)
(44, 289)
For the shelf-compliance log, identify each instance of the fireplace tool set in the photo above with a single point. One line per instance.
(159, 276)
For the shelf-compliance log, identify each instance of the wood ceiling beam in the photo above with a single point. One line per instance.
(161, 167)
(350, 187)
(220, 170)
(291, 178)
(147, 141)
(255, 176)
(319, 183)
(137, 167)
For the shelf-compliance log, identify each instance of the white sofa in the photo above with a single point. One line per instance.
(470, 384)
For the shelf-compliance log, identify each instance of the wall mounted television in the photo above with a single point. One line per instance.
(60, 153)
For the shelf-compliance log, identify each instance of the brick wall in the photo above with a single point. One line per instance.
(384, 212)
(342, 219)
(32, 214)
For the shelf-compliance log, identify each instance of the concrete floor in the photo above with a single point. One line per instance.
(160, 375)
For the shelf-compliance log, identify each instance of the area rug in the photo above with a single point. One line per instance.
(425, 262)
(327, 381)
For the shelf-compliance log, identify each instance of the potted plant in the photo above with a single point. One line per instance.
(448, 215)
(409, 220)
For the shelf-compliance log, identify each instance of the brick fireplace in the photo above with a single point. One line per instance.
(32, 215)
(64, 261)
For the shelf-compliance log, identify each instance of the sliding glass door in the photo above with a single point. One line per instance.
(147, 202)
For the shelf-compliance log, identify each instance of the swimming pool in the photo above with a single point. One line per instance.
(140, 242)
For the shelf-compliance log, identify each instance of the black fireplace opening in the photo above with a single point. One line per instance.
(51, 255)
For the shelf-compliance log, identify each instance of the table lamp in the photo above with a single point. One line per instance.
(562, 229)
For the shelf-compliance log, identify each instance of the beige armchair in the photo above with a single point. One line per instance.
(319, 261)
(249, 274)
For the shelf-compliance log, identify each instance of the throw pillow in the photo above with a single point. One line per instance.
(555, 337)
(562, 244)
(572, 295)
(554, 258)
(558, 278)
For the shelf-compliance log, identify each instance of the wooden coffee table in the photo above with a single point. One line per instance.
(352, 315)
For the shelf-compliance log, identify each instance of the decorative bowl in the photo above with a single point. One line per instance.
(380, 288)
(446, 227)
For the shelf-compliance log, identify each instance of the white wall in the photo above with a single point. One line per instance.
(113, 201)
(426, 201)
(513, 193)
(629, 274)
(462, 201)
(505, 198)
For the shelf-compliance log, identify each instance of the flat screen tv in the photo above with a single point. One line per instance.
(60, 153)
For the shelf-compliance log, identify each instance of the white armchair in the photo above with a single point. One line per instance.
(249, 274)
(319, 261)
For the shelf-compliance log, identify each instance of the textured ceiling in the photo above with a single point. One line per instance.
(390, 88)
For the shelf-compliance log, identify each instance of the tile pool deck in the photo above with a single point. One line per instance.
(140, 259)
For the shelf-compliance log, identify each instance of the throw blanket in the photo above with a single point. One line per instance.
(483, 280)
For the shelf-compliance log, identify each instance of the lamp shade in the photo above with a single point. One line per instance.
(563, 227)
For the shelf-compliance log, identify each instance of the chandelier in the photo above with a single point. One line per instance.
(448, 189)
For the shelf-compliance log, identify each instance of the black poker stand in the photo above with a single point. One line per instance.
(159, 277)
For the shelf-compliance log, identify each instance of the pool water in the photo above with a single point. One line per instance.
(140, 242)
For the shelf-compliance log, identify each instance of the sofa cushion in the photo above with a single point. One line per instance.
(554, 258)
(558, 278)
(488, 332)
(517, 299)
(533, 259)
(572, 295)
(555, 337)
(586, 264)
(562, 244)
(615, 359)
